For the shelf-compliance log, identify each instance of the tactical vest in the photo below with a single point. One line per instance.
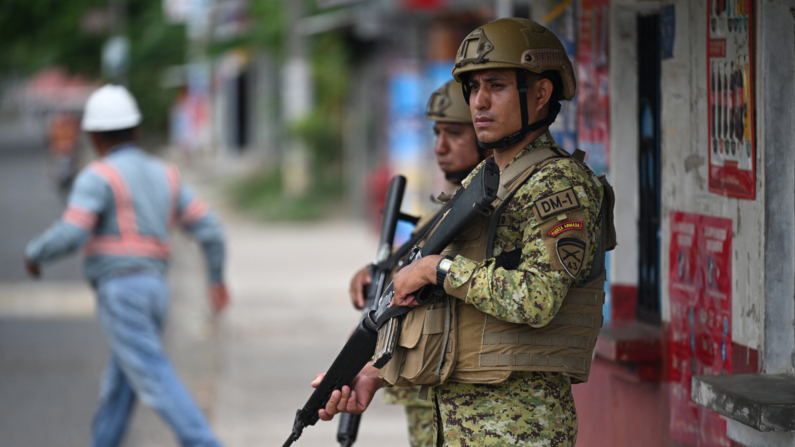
(448, 339)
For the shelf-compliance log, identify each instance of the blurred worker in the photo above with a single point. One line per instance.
(121, 210)
(63, 137)
(457, 154)
(524, 287)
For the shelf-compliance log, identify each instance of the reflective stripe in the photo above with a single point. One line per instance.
(125, 212)
(129, 242)
(80, 217)
(172, 178)
(129, 245)
(194, 212)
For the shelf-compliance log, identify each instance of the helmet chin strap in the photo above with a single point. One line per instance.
(510, 140)
(458, 176)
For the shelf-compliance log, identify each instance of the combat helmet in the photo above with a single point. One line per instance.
(526, 46)
(447, 105)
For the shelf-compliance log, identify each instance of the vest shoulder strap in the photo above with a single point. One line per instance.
(512, 174)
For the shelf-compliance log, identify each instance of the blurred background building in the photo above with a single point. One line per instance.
(685, 105)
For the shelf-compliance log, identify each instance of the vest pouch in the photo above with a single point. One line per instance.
(424, 353)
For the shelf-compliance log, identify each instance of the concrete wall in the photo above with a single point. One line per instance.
(685, 174)
(776, 116)
(624, 141)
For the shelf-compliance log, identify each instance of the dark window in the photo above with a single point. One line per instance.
(649, 167)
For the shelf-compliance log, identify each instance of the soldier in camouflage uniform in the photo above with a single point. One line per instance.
(512, 385)
(457, 154)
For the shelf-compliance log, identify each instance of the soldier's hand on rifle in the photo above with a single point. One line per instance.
(411, 279)
(32, 268)
(353, 401)
(359, 280)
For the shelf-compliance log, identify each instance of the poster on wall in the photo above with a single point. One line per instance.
(559, 16)
(700, 295)
(593, 93)
(732, 146)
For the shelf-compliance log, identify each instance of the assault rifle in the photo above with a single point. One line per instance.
(379, 272)
(358, 350)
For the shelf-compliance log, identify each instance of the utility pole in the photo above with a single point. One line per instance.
(296, 104)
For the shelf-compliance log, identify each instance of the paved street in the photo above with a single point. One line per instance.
(249, 369)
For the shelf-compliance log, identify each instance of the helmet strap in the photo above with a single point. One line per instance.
(510, 140)
(458, 176)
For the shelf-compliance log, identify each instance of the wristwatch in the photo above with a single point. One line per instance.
(442, 267)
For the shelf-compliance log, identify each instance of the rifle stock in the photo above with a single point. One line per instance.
(358, 350)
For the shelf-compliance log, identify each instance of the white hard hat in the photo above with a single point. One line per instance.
(109, 108)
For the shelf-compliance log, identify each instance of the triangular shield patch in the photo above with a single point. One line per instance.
(571, 253)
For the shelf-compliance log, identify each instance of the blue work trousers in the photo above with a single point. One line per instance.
(131, 310)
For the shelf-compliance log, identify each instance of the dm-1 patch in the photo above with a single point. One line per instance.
(557, 203)
(571, 253)
(565, 226)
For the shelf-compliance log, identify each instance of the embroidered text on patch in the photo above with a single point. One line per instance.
(565, 226)
(557, 203)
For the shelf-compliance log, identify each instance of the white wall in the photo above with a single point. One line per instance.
(624, 142)
(685, 173)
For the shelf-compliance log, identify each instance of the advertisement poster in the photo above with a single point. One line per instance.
(593, 92)
(732, 160)
(559, 16)
(700, 292)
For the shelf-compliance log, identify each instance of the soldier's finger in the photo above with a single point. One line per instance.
(331, 405)
(317, 380)
(359, 299)
(343, 402)
(324, 416)
(353, 405)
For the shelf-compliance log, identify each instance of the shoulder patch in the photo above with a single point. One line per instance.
(565, 226)
(557, 203)
(571, 253)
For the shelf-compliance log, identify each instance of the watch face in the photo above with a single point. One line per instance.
(445, 264)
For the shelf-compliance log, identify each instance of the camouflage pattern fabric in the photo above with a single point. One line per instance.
(419, 413)
(420, 426)
(405, 396)
(533, 292)
(529, 409)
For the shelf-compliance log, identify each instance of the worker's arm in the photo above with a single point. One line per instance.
(87, 201)
(196, 218)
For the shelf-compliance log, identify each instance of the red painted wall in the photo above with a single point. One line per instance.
(615, 409)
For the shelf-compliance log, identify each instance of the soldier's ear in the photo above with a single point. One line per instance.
(542, 89)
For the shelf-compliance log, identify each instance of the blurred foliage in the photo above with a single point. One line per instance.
(39, 33)
(321, 129)
(36, 34)
(261, 196)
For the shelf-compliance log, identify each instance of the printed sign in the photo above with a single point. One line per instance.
(700, 292)
(559, 17)
(593, 93)
(732, 146)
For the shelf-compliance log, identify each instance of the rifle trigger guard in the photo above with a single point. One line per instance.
(484, 210)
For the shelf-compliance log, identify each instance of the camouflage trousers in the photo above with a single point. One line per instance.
(418, 412)
(420, 426)
(529, 409)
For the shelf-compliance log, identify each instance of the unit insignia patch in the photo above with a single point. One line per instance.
(557, 203)
(565, 226)
(571, 253)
